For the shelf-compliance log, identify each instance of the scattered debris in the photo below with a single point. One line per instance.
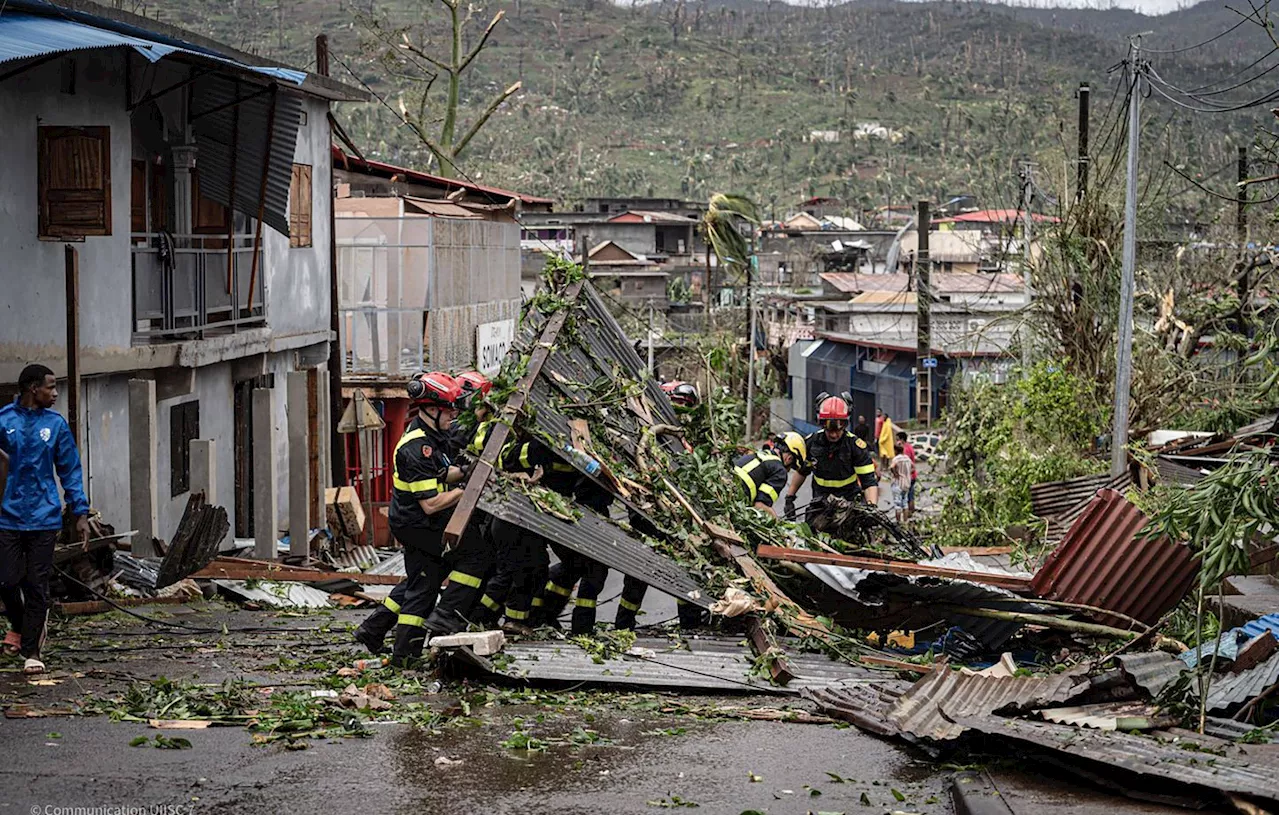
(481, 643)
(195, 543)
(1127, 716)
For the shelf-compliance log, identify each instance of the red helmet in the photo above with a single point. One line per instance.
(472, 381)
(833, 408)
(436, 389)
(681, 393)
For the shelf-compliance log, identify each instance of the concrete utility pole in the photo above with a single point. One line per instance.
(751, 348)
(1025, 173)
(1082, 144)
(924, 305)
(1124, 344)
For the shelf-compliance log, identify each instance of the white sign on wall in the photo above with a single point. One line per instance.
(493, 340)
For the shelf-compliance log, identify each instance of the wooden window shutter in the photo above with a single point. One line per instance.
(138, 197)
(74, 170)
(207, 216)
(300, 206)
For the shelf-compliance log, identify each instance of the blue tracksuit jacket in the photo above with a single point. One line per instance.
(38, 443)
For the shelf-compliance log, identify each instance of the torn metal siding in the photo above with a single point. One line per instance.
(1171, 472)
(1110, 716)
(932, 706)
(1226, 690)
(1104, 562)
(1151, 671)
(598, 539)
(866, 706)
(704, 664)
(1145, 755)
(1052, 498)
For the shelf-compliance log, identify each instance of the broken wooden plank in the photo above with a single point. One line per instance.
(483, 468)
(798, 621)
(239, 571)
(101, 607)
(1019, 585)
(763, 642)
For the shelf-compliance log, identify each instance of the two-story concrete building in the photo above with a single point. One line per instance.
(165, 205)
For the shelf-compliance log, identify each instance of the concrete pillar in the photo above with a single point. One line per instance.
(299, 413)
(143, 501)
(265, 504)
(204, 469)
(324, 426)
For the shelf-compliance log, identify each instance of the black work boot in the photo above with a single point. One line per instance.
(371, 640)
(410, 640)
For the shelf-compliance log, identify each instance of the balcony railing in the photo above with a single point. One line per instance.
(184, 289)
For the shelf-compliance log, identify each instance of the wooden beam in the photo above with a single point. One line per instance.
(73, 341)
(241, 571)
(1020, 585)
(763, 642)
(502, 428)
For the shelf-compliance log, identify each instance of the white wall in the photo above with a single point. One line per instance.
(33, 308)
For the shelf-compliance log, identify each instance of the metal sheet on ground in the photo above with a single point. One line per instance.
(706, 664)
(598, 539)
(1145, 755)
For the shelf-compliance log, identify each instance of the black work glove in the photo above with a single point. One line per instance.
(790, 504)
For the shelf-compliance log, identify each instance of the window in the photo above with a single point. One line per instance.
(184, 427)
(300, 206)
(74, 171)
(208, 217)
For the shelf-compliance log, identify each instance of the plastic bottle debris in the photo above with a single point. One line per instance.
(370, 664)
(583, 461)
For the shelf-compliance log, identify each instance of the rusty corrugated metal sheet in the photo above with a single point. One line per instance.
(864, 705)
(1104, 562)
(933, 704)
(1161, 756)
(1152, 670)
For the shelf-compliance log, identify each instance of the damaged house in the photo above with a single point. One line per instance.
(166, 234)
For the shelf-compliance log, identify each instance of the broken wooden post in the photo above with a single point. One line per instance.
(73, 342)
(298, 412)
(142, 466)
(265, 504)
(502, 428)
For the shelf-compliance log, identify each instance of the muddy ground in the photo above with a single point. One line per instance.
(616, 751)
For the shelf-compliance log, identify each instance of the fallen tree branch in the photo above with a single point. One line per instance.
(1048, 621)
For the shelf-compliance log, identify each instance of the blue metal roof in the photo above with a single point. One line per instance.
(23, 36)
(1229, 642)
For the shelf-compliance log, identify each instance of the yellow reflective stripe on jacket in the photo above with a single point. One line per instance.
(426, 485)
(465, 579)
(524, 455)
(769, 491)
(413, 620)
(865, 469)
(391, 605)
(836, 482)
(490, 603)
(481, 436)
(744, 474)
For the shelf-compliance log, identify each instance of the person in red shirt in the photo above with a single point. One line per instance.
(909, 452)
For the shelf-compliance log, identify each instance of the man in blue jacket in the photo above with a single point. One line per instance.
(35, 443)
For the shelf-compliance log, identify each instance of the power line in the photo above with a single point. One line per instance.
(1242, 21)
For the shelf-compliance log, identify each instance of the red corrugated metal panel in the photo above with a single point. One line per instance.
(1104, 562)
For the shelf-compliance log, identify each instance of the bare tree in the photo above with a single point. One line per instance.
(412, 55)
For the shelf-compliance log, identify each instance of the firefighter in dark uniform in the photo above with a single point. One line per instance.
(763, 474)
(684, 397)
(840, 462)
(425, 484)
(573, 567)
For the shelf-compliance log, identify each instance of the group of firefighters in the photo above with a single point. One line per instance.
(501, 571)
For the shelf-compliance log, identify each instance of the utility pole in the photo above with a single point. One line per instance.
(924, 305)
(651, 338)
(1242, 234)
(1082, 145)
(1124, 344)
(1025, 173)
(751, 345)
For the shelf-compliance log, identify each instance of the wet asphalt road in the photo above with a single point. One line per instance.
(653, 758)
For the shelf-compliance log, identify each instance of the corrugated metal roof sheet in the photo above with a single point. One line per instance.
(231, 135)
(1271, 623)
(1230, 729)
(393, 565)
(1226, 690)
(1163, 758)
(277, 594)
(1151, 671)
(866, 705)
(874, 588)
(1229, 642)
(933, 705)
(704, 664)
(598, 539)
(1171, 472)
(1103, 562)
(1053, 498)
(1110, 716)
(942, 283)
